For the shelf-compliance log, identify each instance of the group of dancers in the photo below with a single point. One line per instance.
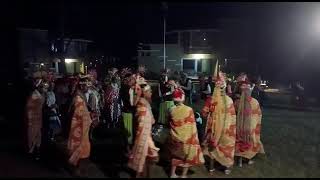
(232, 127)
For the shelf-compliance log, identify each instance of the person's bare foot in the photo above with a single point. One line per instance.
(250, 162)
(211, 172)
(227, 171)
(174, 176)
(240, 163)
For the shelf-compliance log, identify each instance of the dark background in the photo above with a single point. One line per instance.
(284, 42)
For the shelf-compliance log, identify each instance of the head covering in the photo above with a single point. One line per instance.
(244, 113)
(219, 101)
(178, 95)
(112, 77)
(220, 80)
(125, 72)
(243, 78)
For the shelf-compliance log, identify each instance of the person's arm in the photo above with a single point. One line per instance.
(189, 85)
(159, 90)
(208, 89)
(131, 94)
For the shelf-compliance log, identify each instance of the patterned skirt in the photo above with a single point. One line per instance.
(163, 112)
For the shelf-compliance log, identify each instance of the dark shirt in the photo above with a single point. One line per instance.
(165, 88)
(125, 97)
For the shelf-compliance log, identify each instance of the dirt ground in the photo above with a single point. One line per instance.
(290, 138)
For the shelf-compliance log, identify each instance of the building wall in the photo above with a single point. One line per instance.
(153, 59)
(33, 48)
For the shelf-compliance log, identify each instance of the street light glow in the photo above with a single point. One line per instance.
(70, 60)
(200, 56)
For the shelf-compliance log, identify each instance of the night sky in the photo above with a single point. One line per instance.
(284, 35)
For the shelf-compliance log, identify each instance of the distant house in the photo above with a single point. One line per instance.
(37, 52)
(33, 47)
(75, 54)
(196, 50)
(187, 50)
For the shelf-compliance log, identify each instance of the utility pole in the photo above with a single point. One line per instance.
(62, 68)
(164, 43)
(165, 9)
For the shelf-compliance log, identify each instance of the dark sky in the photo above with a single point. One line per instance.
(284, 32)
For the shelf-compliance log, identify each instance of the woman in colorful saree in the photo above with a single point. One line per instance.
(184, 144)
(78, 141)
(34, 116)
(248, 142)
(144, 150)
(220, 133)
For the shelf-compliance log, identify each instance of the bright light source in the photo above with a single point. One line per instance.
(204, 39)
(42, 64)
(200, 56)
(70, 60)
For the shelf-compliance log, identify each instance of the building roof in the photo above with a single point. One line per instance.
(78, 40)
(194, 30)
(30, 29)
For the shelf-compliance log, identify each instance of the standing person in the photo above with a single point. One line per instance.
(184, 145)
(220, 133)
(62, 99)
(78, 141)
(165, 93)
(202, 83)
(126, 91)
(53, 114)
(112, 98)
(186, 85)
(249, 115)
(144, 150)
(93, 100)
(257, 91)
(34, 116)
(229, 87)
(237, 92)
(298, 92)
(209, 87)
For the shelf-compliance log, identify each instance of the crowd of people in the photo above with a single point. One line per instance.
(73, 105)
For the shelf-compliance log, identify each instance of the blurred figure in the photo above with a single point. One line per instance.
(127, 87)
(93, 100)
(144, 150)
(220, 133)
(186, 85)
(53, 113)
(165, 89)
(34, 117)
(209, 87)
(298, 93)
(243, 77)
(78, 142)
(249, 115)
(184, 145)
(257, 91)
(112, 98)
(202, 82)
